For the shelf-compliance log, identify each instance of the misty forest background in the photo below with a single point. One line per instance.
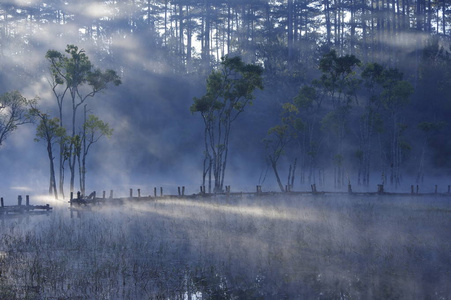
(338, 123)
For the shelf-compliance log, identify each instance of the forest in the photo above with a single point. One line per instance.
(350, 91)
(285, 95)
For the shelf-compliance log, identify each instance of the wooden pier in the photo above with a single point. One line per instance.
(92, 199)
(23, 209)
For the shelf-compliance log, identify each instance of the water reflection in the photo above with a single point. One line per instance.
(250, 248)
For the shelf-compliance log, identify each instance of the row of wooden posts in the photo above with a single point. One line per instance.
(92, 199)
(20, 209)
(158, 192)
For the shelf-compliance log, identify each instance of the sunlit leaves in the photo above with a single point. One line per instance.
(13, 112)
(75, 70)
(229, 88)
(49, 129)
(75, 77)
(96, 128)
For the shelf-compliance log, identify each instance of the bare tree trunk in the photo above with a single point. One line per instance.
(52, 185)
(290, 30)
(61, 168)
(276, 173)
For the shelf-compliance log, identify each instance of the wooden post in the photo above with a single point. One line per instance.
(3, 204)
(111, 194)
(19, 200)
(78, 195)
(417, 188)
(71, 198)
(131, 193)
(412, 189)
(349, 188)
(27, 200)
(313, 186)
(183, 191)
(139, 193)
(104, 194)
(435, 189)
(179, 192)
(161, 191)
(155, 192)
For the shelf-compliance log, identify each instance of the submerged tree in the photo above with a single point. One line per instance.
(229, 90)
(75, 77)
(14, 112)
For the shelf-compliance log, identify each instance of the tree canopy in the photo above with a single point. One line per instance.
(230, 89)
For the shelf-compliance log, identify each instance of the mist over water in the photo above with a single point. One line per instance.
(295, 247)
(241, 247)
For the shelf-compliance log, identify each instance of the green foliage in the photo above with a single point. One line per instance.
(96, 128)
(75, 70)
(14, 111)
(386, 87)
(338, 77)
(396, 94)
(306, 97)
(230, 88)
(74, 75)
(373, 74)
(49, 129)
(335, 120)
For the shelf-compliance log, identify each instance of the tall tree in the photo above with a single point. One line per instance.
(428, 129)
(370, 119)
(339, 83)
(308, 102)
(49, 131)
(280, 136)
(230, 88)
(93, 130)
(395, 96)
(74, 76)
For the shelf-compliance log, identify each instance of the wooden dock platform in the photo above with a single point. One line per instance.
(81, 201)
(20, 209)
